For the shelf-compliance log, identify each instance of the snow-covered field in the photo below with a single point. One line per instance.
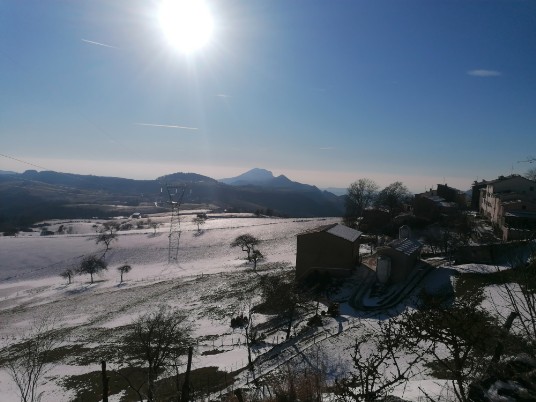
(207, 283)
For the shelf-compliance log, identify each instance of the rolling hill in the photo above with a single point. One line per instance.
(32, 196)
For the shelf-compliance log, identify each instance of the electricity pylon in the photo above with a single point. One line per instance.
(175, 194)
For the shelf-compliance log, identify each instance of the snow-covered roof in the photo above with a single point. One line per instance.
(344, 232)
(406, 246)
(336, 229)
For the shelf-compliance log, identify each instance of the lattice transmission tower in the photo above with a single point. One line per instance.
(175, 194)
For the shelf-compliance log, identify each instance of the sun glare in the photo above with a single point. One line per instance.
(187, 24)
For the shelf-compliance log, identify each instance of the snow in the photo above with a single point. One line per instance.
(207, 284)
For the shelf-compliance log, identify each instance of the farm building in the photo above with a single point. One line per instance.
(332, 249)
(396, 260)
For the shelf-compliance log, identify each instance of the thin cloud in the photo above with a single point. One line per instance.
(223, 96)
(97, 43)
(327, 148)
(484, 73)
(166, 126)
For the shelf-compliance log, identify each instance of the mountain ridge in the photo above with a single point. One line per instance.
(32, 196)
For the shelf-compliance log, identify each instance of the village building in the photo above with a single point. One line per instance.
(430, 205)
(510, 205)
(394, 262)
(331, 249)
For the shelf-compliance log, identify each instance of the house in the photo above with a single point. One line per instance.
(451, 194)
(395, 261)
(442, 203)
(510, 205)
(374, 218)
(332, 249)
(136, 215)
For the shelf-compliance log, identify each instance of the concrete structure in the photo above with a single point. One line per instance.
(332, 249)
(510, 205)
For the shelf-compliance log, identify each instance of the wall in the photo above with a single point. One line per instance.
(324, 250)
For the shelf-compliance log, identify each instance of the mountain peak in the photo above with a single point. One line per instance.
(253, 176)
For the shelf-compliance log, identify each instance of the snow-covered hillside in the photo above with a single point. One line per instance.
(209, 283)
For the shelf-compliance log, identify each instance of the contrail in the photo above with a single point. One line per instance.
(97, 43)
(166, 126)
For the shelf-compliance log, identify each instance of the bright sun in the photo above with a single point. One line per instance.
(187, 24)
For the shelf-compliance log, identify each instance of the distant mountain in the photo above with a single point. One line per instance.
(187, 178)
(336, 190)
(32, 196)
(254, 176)
(7, 172)
(265, 178)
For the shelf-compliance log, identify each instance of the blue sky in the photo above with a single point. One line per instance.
(325, 92)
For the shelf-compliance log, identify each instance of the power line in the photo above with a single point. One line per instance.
(27, 163)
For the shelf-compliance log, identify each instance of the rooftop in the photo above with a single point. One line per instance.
(338, 230)
(406, 246)
(344, 232)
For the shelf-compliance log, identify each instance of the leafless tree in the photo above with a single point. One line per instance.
(393, 197)
(124, 269)
(28, 361)
(247, 243)
(281, 297)
(256, 255)
(67, 274)
(360, 195)
(199, 220)
(154, 226)
(156, 338)
(519, 292)
(531, 174)
(383, 358)
(92, 265)
(106, 235)
(459, 335)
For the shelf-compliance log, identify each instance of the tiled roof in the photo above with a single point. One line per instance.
(406, 246)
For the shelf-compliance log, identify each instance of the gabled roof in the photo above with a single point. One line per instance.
(406, 246)
(344, 232)
(336, 229)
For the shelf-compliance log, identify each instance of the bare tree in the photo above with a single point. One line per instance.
(156, 338)
(520, 293)
(256, 255)
(460, 335)
(106, 235)
(30, 360)
(67, 274)
(360, 195)
(92, 265)
(154, 226)
(251, 335)
(531, 174)
(199, 220)
(281, 297)
(124, 269)
(382, 359)
(247, 243)
(393, 197)
(295, 383)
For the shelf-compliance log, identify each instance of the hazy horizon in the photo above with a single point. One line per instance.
(324, 92)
